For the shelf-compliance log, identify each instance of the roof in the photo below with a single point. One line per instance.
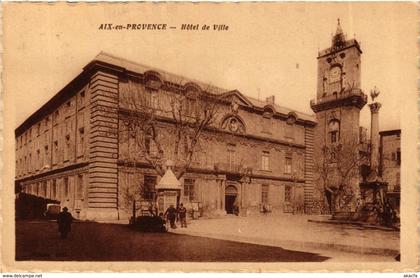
(140, 68)
(135, 67)
(169, 181)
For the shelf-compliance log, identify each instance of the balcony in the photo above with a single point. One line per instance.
(354, 97)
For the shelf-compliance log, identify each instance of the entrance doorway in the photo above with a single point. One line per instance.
(231, 194)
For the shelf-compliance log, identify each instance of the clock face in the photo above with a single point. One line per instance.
(335, 74)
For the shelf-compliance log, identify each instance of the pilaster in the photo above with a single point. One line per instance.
(309, 169)
(103, 150)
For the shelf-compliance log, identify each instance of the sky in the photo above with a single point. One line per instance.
(269, 49)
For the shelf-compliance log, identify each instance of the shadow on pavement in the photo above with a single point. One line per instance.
(90, 241)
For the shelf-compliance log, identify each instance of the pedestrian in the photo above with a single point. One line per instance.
(182, 212)
(64, 221)
(171, 213)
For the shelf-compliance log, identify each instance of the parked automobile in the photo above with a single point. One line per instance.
(52, 211)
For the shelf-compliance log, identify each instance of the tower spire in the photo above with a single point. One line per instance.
(339, 30)
(338, 39)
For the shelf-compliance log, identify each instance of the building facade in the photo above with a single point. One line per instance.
(390, 164)
(78, 150)
(81, 149)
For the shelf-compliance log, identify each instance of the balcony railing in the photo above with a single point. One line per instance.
(339, 96)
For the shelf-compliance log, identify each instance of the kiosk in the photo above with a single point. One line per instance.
(168, 190)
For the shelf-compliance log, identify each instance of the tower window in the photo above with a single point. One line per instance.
(334, 136)
(334, 131)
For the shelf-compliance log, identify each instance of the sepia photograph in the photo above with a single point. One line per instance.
(224, 137)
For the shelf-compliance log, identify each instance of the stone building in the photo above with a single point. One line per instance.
(390, 163)
(259, 156)
(76, 148)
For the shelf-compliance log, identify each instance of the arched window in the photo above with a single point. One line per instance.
(334, 131)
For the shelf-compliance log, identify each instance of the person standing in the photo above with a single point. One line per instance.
(170, 213)
(182, 212)
(64, 221)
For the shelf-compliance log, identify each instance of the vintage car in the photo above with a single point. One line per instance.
(52, 211)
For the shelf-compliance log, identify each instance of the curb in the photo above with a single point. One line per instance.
(294, 244)
(355, 223)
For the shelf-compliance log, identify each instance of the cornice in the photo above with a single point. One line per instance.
(126, 112)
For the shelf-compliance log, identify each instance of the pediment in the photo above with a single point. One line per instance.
(238, 97)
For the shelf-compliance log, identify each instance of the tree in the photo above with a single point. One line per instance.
(166, 120)
(338, 174)
(131, 196)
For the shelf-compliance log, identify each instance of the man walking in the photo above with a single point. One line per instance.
(182, 212)
(170, 213)
(64, 221)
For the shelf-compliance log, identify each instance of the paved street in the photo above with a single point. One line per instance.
(91, 241)
(295, 232)
(269, 238)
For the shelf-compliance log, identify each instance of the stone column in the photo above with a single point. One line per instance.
(374, 137)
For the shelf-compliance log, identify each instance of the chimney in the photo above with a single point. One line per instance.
(374, 137)
(270, 99)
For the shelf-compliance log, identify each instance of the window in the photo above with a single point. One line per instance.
(334, 135)
(154, 101)
(30, 163)
(290, 134)
(81, 145)
(397, 182)
(288, 165)
(149, 187)
(265, 161)
(66, 188)
(148, 142)
(79, 191)
(38, 160)
(189, 189)
(46, 156)
(25, 165)
(67, 148)
(334, 129)
(398, 156)
(44, 189)
(264, 193)
(54, 189)
(267, 122)
(287, 193)
(56, 115)
(55, 152)
(231, 150)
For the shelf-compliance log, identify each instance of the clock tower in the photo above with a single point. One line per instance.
(337, 106)
(339, 97)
